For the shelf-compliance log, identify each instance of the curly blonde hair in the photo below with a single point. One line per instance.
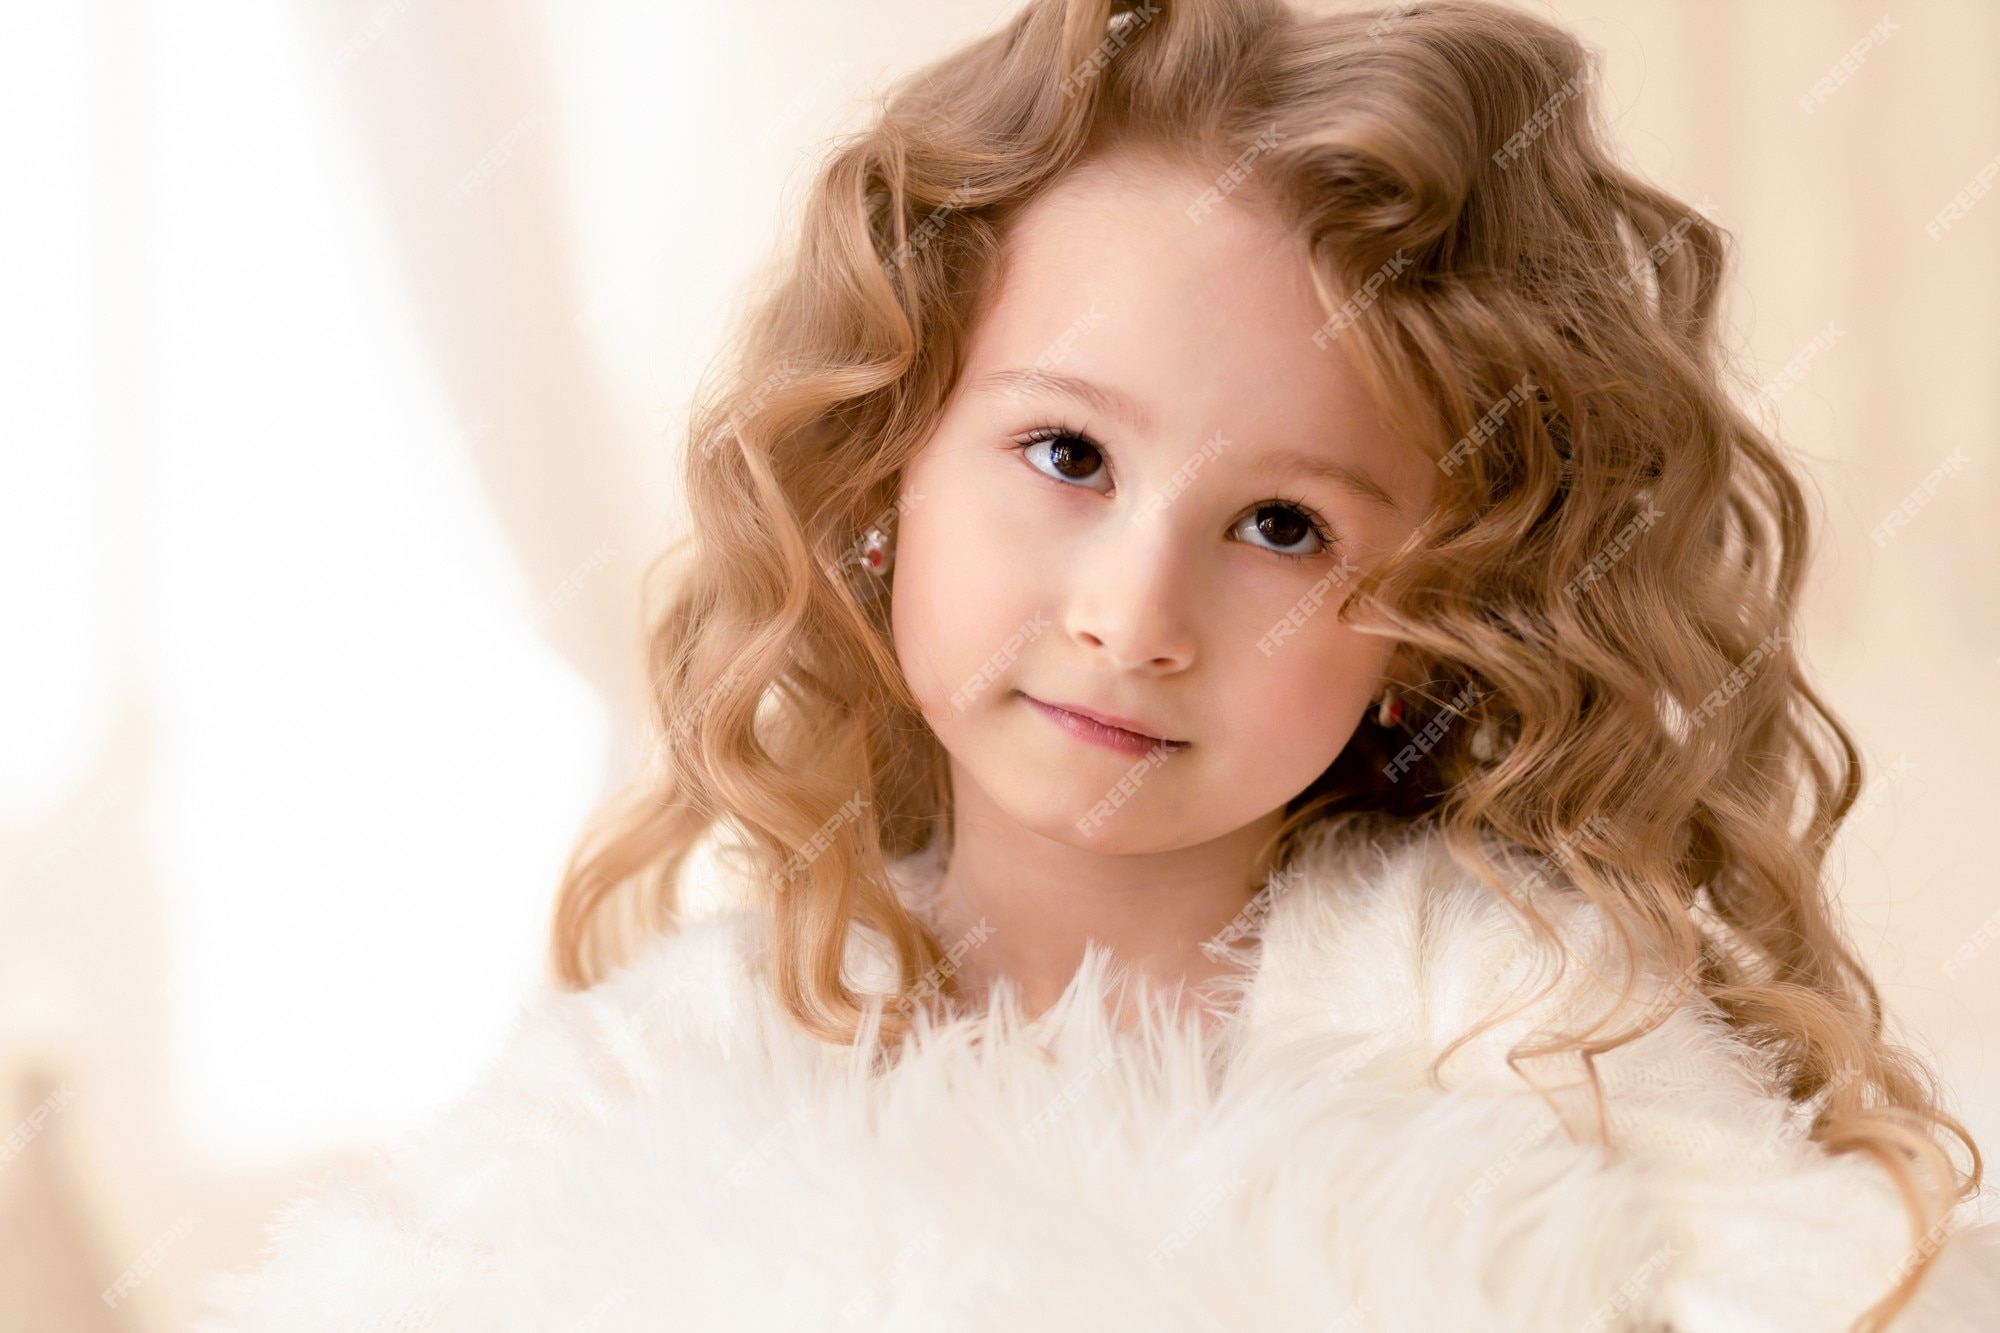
(1600, 606)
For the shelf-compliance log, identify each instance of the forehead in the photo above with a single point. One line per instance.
(1202, 308)
(1133, 224)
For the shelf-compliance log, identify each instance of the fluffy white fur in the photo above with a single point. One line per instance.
(664, 1151)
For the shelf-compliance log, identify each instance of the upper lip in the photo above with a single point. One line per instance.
(1131, 724)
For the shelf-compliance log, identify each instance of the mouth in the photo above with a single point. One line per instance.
(1115, 733)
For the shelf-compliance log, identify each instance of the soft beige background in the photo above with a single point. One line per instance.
(331, 458)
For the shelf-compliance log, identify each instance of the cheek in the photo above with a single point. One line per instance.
(959, 593)
(1296, 709)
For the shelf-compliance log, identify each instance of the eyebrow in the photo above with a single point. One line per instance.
(1111, 402)
(1115, 402)
(1348, 475)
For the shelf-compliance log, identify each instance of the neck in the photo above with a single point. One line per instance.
(1041, 900)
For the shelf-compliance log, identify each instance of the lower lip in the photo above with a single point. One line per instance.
(1112, 738)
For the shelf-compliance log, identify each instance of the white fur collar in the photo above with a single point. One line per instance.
(666, 1151)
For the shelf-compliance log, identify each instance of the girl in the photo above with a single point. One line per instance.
(1231, 758)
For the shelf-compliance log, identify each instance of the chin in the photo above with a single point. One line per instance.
(1126, 830)
(1054, 810)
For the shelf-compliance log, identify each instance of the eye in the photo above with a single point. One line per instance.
(1284, 524)
(1064, 455)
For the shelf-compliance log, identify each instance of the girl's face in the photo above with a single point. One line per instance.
(1144, 498)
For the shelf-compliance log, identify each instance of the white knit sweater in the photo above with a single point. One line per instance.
(664, 1151)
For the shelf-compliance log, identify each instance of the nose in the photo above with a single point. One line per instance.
(1131, 599)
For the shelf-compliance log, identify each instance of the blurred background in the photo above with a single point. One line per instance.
(346, 346)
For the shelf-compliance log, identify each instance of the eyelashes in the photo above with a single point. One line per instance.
(1059, 435)
(1068, 442)
(1313, 521)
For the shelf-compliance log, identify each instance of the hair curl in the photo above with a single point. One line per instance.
(1598, 613)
